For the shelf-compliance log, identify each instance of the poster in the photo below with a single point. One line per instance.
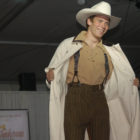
(14, 125)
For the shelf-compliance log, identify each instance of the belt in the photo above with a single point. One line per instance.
(94, 87)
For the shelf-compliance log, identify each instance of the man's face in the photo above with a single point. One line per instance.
(98, 26)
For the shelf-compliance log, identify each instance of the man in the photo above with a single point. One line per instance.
(93, 86)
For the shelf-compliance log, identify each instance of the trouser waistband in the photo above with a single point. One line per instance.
(94, 87)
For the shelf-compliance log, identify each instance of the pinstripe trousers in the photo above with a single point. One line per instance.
(86, 108)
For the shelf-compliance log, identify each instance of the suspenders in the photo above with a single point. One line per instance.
(106, 68)
(76, 59)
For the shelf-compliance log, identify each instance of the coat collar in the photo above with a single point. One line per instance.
(72, 48)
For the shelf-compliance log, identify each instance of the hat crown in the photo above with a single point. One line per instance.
(102, 7)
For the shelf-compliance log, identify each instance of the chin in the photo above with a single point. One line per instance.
(99, 36)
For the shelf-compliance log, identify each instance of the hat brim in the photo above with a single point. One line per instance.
(84, 14)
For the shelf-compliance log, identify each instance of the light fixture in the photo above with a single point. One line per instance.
(81, 2)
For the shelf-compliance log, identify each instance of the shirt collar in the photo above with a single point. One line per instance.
(81, 38)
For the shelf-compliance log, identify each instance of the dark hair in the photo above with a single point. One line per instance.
(91, 19)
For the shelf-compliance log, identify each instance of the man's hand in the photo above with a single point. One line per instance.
(50, 75)
(136, 82)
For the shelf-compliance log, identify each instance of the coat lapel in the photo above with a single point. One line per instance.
(71, 50)
(119, 60)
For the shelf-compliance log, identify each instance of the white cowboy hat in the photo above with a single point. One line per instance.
(101, 8)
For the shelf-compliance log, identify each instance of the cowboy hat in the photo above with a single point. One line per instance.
(101, 8)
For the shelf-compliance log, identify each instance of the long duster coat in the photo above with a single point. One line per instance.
(122, 96)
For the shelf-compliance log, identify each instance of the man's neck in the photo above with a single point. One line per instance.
(91, 40)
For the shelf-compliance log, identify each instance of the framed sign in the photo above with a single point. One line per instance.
(14, 125)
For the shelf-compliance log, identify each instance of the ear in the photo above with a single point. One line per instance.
(89, 22)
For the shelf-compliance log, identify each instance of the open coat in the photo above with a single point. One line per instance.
(122, 96)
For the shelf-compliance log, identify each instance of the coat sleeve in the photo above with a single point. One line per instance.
(56, 58)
